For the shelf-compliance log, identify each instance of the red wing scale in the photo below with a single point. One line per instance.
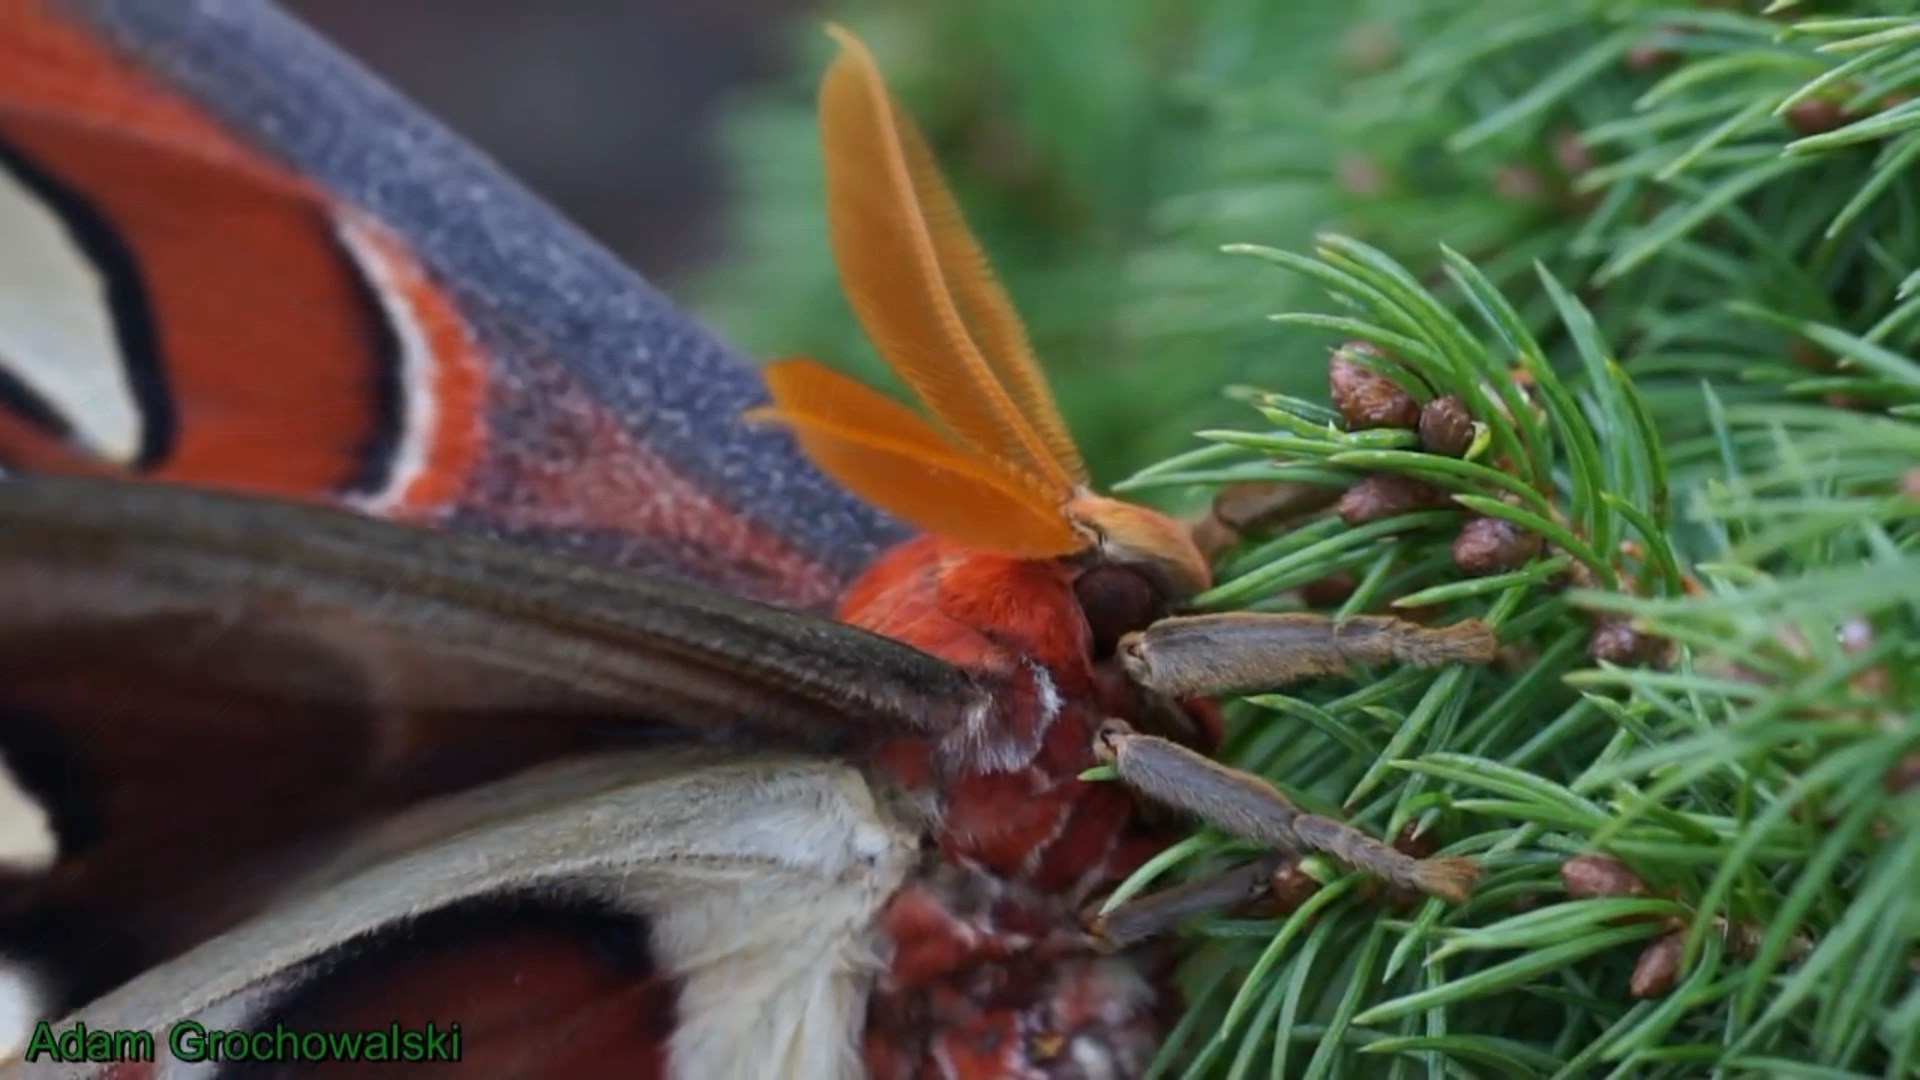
(234, 258)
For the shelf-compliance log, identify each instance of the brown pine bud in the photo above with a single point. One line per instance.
(1291, 887)
(1814, 115)
(1329, 591)
(1366, 398)
(1383, 495)
(1411, 841)
(1658, 968)
(1445, 427)
(1588, 876)
(1810, 357)
(1648, 54)
(1257, 506)
(1212, 536)
(1616, 641)
(1424, 615)
(1491, 545)
(1743, 938)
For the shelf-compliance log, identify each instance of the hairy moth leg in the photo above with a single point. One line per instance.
(1239, 652)
(1156, 913)
(1243, 805)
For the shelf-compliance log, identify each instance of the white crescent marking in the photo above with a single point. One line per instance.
(27, 839)
(419, 409)
(23, 1003)
(56, 327)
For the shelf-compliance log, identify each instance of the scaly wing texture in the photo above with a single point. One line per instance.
(235, 258)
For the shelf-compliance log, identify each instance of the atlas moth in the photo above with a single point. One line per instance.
(408, 616)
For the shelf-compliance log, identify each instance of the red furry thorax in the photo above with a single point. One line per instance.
(991, 973)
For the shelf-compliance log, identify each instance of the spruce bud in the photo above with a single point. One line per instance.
(1586, 877)
(1616, 641)
(1814, 115)
(1445, 427)
(1384, 495)
(1659, 967)
(1366, 398)
(1491, 545)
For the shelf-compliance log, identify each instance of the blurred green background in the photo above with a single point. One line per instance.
(1103, 149)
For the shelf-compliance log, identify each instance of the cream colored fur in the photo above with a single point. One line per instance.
(27, 840)
(762, 877)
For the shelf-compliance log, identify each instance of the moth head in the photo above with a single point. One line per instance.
(995, 467)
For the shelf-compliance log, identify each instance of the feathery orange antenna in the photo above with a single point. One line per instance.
(984, 306)
(1003, 472)
(889, 456)
(913, 304)
(1004, 476)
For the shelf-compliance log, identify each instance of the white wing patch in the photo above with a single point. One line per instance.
(22, 1004)
(776, 945)
(56, 327)
(27, 839)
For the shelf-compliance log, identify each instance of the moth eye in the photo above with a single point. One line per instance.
(1116, 601)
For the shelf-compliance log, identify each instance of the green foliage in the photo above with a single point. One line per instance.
(1735, 193)
(1668, 257)
(1747, 777)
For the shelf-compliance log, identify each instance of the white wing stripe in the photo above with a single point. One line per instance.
(57, 329)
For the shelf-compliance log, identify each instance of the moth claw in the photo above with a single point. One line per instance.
(1155, 913)
(1109, 738)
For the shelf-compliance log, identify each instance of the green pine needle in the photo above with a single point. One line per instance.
(1742, 768)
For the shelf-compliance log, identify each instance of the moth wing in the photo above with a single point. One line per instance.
(234, 258)
(201, 693)
(642, 915)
